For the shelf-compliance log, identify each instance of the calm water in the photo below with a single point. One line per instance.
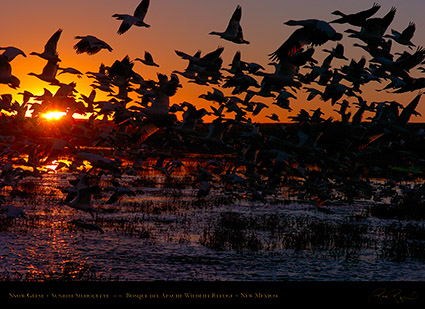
(159, 234)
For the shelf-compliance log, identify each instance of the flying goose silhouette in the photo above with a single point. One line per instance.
(315, 32)
(49, 72)
(148, 60)
(404, 37)
(90, 44)
(233, 32)
(356, 19)
(373, 30)
(83, 200)
(50, 49)
(137, 19)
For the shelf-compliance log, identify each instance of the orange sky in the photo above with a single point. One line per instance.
(183, 25)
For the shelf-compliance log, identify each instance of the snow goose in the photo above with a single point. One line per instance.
(148, 60)
(233, 32)
(137, 19)
(90, 44)
(50, 49)
(315, 32)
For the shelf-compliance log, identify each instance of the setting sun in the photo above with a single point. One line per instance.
(54, 115)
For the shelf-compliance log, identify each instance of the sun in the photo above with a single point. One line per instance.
(53, 115)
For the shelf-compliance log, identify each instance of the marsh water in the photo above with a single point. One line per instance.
(167, 233)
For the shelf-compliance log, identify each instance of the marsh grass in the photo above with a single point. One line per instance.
(131, 228)
(235, 231)
(229, 232)
(403, 241)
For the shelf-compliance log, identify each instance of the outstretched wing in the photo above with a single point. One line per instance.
(296, 41)
(388, 18)
(142, 9)
(213, 55)
(408, 111)
(409, 31)
(148, 57)
(233, 25)
(52, 43)
(412, 61)
(51, 68)
(367, 13)
(125, 25)
(82, 46)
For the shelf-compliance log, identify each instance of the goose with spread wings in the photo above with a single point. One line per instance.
(49, 73)
(137, 19)
(90, 44)
(50, 49)
(233, 32)
(355, 19)
(313, 31)
(147, 60)
(404, 37)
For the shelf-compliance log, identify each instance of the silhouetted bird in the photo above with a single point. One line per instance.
(315, 32)
(233, 31)
(70, 71)
(273, 117)
(404, 37)
(373, 30)
(137, 19)
(408, 111)
(50, 49)
(83, 200)
(337, 52)
(90, 44)
(216, 96)
(356, 19)
(49, 72)
(148, 60)
(119, 191)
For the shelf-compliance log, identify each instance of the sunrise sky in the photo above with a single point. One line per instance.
(184, 25)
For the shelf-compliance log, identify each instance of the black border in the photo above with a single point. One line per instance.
(213, 293)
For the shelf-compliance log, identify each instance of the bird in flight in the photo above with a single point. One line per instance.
(90, 44)
(50, 52)
(148, 60)
(313, 31)
(233, 32)
(49, 73)
(404, 37)
(137, 19)
(355, 19)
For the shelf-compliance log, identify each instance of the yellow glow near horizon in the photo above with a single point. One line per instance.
(53, 165)
(53, 115)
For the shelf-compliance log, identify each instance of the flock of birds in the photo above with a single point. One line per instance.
(319, 159)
